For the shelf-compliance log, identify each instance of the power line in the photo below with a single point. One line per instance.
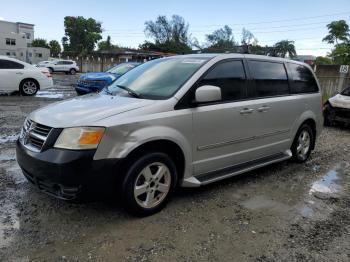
(256, 32)
(250, 29)
(255, 23)
(292, 19)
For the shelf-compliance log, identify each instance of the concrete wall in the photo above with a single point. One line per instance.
(331, 80)
(37, 54)
(102, 63)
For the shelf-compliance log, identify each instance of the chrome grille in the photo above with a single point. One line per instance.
(34, 135)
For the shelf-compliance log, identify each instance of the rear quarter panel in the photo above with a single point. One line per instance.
(313, 110)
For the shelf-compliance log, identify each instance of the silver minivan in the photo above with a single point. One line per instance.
(177, 121)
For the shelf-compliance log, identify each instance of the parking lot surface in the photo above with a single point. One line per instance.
(283, 212)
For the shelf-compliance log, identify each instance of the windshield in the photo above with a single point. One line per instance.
(160, 78)
(121, 69)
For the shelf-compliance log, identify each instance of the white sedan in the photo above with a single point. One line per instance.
(19, 76)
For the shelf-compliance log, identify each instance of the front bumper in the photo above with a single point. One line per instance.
(338, 114)
(68, 174)
(80, 89)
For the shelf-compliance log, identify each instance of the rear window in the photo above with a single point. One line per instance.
(303, 81)
(270, 78)
(7, 64)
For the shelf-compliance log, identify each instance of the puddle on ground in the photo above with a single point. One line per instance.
(10, 138)
(327, 184)
(263, 202)
(49, 94)
(313, 206)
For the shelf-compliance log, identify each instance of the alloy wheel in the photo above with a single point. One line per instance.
(303, 146)
(29, 87)
(152, 185)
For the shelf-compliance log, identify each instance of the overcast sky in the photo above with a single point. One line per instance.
(270, 21)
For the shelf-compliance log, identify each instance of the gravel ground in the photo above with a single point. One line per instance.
(284, 212)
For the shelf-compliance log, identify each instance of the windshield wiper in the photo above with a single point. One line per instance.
(130, 91)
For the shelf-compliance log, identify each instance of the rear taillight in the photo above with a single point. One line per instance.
(47, 73)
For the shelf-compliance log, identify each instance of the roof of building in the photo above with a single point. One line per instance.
(3, 21)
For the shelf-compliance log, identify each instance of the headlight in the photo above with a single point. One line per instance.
(80, 138)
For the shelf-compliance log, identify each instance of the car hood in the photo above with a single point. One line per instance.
(340, 101)
(99, 76)
(85, 110)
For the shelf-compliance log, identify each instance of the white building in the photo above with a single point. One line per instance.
(16, 40)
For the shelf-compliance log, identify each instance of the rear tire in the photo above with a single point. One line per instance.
(148, 184)
(303, 144)
(29, 87)
(50, 70)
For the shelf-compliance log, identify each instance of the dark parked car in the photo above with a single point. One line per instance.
(95, 82)
(337, 108)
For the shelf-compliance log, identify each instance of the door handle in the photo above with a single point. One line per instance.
(263, 108)
(246, 111)
(19, 73)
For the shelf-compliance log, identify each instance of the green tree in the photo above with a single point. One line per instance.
(248, 38)
(168, 35)
(284, 47)
(221, 40)
(341, 54)
(106, 45)
(338, 31)
(55, 48)
(40, 42)
(81, 34)
(321, 60)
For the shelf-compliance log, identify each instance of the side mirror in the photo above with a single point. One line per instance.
(208, 93)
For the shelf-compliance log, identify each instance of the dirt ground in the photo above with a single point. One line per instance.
(284, 212)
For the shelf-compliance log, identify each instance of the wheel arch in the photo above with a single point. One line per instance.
(312, 123)
(169, 147)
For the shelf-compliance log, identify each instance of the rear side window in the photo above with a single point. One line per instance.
(303, 80)
(270, 78)
(68, 62)
(230, 77)
(7, 64)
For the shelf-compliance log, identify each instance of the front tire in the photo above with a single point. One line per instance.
(148, 184)
(29, 87)
(72, 71)
(303, 143)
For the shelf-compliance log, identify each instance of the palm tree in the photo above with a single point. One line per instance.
(284, 47)
(338, 31)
